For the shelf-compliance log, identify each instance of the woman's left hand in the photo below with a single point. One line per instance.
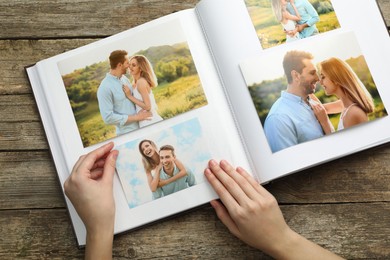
(126, 89)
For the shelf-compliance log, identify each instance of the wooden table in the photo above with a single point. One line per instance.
(343, 205)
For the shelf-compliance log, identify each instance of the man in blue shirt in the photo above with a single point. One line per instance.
(114, 107)
(309, 17)
(168, 170)
(291, 119)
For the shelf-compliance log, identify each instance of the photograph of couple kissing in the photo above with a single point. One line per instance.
(312, 90)
(132, 82)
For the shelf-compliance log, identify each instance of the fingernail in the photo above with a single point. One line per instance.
(115, 154)
(213, 163)
(224, 163)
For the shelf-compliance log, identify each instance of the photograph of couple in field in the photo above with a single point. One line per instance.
(163, 163)
(307, 92)
(131, 83)
(281, 21)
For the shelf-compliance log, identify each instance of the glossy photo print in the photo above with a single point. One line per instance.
(134, 82)
(163, 163)
(282, 21)
(319, 88)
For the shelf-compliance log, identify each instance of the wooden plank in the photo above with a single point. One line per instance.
(354, 231)
(31, 174)
(16, 54)
(88, 18)
(72, 18)
(18, 108)
(384, 5)
(22, 136)
(28, 180)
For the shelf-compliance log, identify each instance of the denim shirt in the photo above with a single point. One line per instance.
(290, 121)
(308, 15)
(114, 106)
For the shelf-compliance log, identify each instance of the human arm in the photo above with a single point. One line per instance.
(334, 107)
(182, 173)
(321, 114)
(154, 181)
(109, 116)
(252, 214)
(90, 189)
(354, 116)
(311, 15)
(290, 16)
(143, 88)
(280, 132)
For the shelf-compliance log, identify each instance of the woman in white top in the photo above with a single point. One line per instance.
(287, 19)
(355, 102)
(152, 165)
(144, 80)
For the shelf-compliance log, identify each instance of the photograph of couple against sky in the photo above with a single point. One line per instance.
(165, 48)
(278, 21)
(191, 153)
(341, 76)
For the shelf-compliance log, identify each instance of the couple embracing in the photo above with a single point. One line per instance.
(165, 173)
(298, 18)
(298, 116)
(124, 104)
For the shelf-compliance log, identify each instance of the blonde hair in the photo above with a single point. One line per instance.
(341, 74)
(146, 70)
(277, 8)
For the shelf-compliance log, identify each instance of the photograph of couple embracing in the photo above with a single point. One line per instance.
(138, 108)
(132, 82)
(308, 91)
(281, 21)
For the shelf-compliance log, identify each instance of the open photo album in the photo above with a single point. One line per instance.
(273, 86)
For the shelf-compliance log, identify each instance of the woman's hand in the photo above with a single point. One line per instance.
(90, 189)
(322, 116)
(249, 211)
(127, 91)
(252, 214)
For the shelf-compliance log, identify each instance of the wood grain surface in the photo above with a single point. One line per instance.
(343, 205)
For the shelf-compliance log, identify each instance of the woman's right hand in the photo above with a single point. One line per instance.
(322, 116)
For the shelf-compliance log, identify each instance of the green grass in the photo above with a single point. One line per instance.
(172, 99)
(270, 31)
(91, 126)
(180, 96)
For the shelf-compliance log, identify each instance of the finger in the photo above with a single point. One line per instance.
(257, 186)
(220, 189)
(109, 167)
(97, 154)
(224, 216)
(100, 163)
(242, 182)
(228, 182)
(96, 173)
(77, 164)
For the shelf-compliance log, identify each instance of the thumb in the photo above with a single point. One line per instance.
(109, 166)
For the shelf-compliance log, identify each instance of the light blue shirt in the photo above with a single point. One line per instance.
(290, 121)
(175, 186)
(114, 106)
(308, 15)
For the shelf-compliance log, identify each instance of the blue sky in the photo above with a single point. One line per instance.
(190, 148)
